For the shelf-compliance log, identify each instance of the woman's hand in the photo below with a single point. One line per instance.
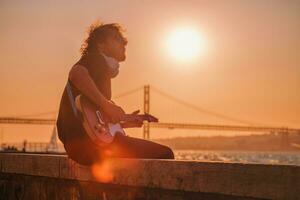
(115, 113)
(134, 124)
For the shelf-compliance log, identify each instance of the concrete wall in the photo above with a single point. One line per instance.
(31, 176)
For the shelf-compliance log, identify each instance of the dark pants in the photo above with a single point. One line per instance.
(86, 153)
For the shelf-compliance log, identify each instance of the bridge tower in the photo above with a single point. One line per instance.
(146, 127)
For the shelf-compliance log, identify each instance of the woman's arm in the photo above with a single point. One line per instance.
(80, 78)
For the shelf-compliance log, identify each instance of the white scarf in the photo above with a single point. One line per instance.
(113, 65)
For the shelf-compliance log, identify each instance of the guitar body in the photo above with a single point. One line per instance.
(96, 124)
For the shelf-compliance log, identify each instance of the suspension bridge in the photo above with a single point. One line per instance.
(240, 125)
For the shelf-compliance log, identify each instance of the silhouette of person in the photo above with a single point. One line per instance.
(101, 53)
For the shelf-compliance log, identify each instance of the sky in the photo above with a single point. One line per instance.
(248, 68)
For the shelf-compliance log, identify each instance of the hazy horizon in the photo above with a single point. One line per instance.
(249, 66)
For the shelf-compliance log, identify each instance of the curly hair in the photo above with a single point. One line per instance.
(99, 32)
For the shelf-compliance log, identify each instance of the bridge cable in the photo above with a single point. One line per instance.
(55, 112)
(128, 92)
(202, 110)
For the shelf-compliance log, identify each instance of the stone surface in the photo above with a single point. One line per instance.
(30, 164)
(182, 177)
(18, 186)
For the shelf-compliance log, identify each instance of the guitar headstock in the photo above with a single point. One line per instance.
(150, 118)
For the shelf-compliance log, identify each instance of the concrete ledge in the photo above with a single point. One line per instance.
(234, 179)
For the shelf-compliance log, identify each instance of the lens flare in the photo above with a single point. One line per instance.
(103, 172)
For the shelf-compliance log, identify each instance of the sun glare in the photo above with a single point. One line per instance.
(185, 44)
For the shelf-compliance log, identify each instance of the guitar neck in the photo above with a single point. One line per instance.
(144, 117)
(129, 117)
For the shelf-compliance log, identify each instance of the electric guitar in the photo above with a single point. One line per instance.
(97, 126)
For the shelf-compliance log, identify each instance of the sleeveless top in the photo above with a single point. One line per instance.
(68, 126)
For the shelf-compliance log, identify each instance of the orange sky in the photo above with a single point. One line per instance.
(249, 70)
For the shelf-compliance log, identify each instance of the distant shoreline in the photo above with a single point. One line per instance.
(239, 150)
(255, 143)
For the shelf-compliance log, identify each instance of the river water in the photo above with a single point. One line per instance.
(281, 158)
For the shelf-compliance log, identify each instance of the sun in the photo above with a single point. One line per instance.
(184, 44)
